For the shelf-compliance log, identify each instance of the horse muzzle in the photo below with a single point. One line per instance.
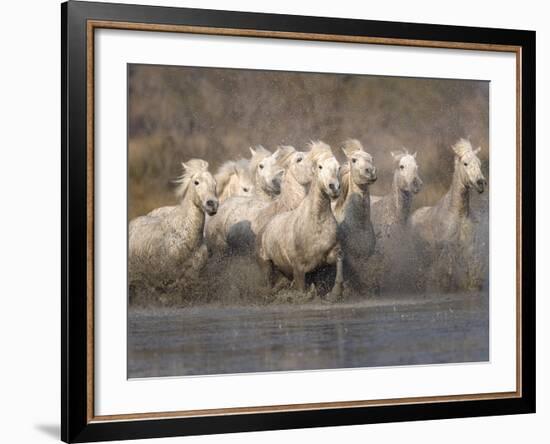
(211, 207)
(480, 185)
(416, 186)
(276, 185)
(333, 190)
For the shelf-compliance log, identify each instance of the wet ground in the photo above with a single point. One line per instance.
(220, 340)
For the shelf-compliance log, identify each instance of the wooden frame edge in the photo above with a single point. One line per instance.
(236, 32)
(284, 408)
(90, 119)
(95, 24)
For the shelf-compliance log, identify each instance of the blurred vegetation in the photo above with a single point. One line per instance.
(176, 113)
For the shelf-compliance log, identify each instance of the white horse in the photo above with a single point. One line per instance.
(298, 175)
(299, 241)
(233, 179)
(231, 226)
(352, 211)
(266, 173)
(393, 266)
(447, 228)
(393, 210)
(170, 247)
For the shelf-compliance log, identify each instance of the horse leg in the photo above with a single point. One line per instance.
(337, 290)
(299, 280)
(267, 269)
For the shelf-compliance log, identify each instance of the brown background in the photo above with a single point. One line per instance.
(176, 113)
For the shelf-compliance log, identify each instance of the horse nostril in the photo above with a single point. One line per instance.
(210, 203)
(332, 186)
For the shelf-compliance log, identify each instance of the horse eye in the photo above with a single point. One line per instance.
(465, 164)
(261, 167)
(354, 160)
(245, 190)
(196, 182)
(402, 167)
(320, 167)
(299, 160)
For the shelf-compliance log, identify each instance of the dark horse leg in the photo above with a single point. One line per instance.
(337, 290)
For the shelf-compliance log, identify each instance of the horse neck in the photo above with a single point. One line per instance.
(358, 206)
(317, 202)
(292, 192)
(458, 196)
(402, 201)
(231, 188)
(259, 190)
(226, 192)
(188, 219)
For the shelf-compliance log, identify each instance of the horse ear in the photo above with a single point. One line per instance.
(184, 166)
(252, 150)
(414, 155)
(313, 166)
(396, 156)
(477, 150)
(347, 151)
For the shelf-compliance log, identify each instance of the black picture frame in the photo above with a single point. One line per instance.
(76, 423)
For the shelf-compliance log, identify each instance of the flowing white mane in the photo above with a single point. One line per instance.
(462, 147)
(319, 150)
(351, 146)
(190, 169)
(228, 169)
(284, 155)
(399, 154)
(259, 153)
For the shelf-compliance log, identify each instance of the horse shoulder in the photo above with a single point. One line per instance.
(277, 241)
(162, 211)
(141, 232)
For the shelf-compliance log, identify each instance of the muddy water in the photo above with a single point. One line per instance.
(216, 340)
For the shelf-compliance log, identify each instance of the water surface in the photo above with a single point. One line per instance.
(217, 340)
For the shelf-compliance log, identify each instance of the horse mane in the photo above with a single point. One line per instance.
(345, 172)
(319, 150)
(284, 155)
(351, 146)
(399, 154)
(190, 169)
(228, 169)
(463, 146)
(259, 154)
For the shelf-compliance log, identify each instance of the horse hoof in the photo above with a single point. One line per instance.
(334, 295)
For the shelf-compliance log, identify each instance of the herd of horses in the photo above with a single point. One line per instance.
(295, 212)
